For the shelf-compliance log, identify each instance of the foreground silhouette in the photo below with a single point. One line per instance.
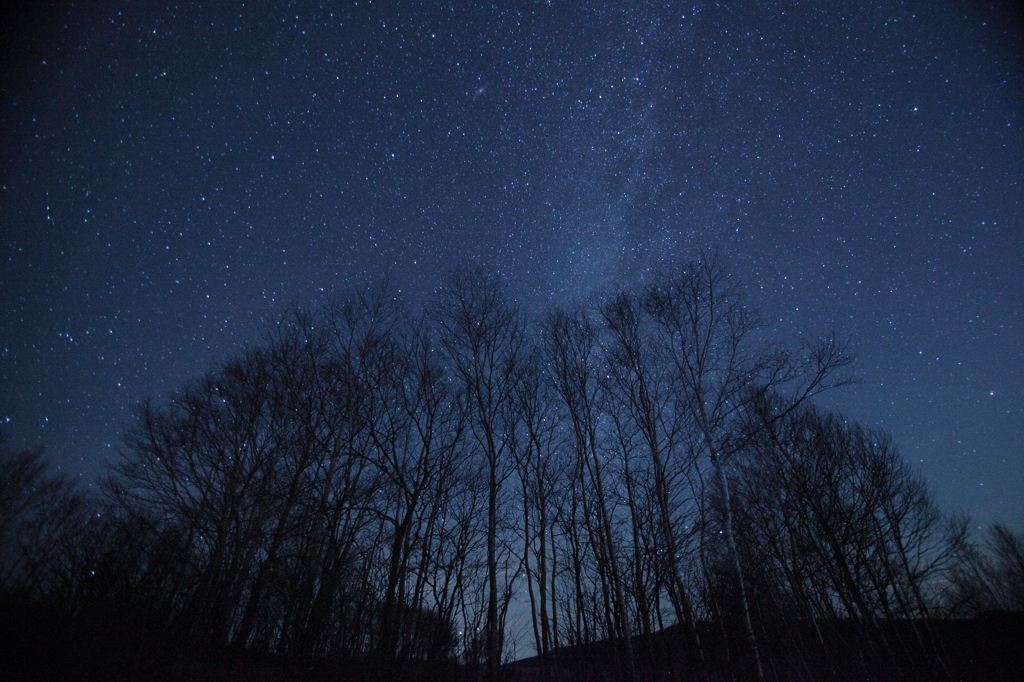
(368, 491)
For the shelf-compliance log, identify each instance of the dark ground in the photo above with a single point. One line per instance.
(987, 648)
(38, 643)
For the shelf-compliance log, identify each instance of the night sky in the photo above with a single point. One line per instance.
(174, 176)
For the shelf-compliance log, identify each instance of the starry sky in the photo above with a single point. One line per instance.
(174, 176)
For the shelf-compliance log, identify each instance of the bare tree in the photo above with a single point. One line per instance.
(539, 470)
(841, 528)
(640, 383)
(1007, 574)
(711, 337)
(989, 575)
(572, 343)
(42, 520)
(482, 334)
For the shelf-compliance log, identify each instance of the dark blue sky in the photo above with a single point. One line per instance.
(174, 176)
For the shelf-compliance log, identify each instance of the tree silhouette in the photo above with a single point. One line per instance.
(374, 488)
(711, 339)
(482, 335)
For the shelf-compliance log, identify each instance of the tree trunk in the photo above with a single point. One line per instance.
(734, 557)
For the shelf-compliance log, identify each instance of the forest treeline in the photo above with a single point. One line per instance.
(468, 483)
